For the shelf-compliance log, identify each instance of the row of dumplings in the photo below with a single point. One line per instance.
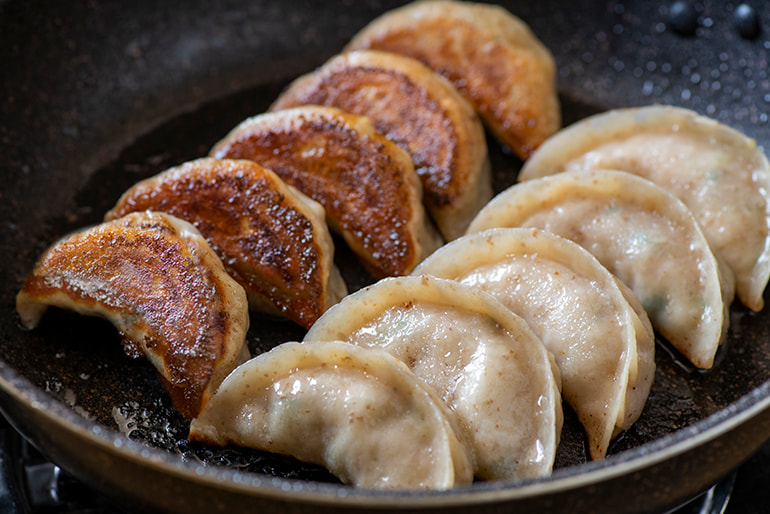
(586, 261)
(182, 256)
(551, 290)
(265, 198)
(528, 317)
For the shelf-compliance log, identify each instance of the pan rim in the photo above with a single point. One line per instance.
(741, 411)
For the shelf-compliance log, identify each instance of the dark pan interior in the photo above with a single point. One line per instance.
(98, 95)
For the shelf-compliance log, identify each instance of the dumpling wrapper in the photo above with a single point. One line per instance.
(719, 173)
(643, 235)
(272, 239)
(491, 56)
(420, 111)
(359, 412)
(600, 337)
(495, 375)
(157, 280)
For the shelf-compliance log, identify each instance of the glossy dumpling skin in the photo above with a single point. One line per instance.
(359, 412)
(491, 57)
(497, 378)
(719, 173)
(366, 183)
(419, 110)
(643, 235)
(272, 239)
(146, 273)
(600, 337)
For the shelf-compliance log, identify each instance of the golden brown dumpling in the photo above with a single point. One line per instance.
(157, 280)
(366, 183)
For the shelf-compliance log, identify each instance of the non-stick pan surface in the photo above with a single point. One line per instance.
(98, 95)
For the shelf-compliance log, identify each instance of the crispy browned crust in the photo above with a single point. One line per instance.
(160, 284)
(491, 56)
(366, 183)
(419, 110)
(271, 239)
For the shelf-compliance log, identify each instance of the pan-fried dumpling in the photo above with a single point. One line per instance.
(157, 280)
(594, 326)
(491, 56)
(484, 361)
(419, 110)
(720, 174)
(643, 235)
(366, 183)
(359, 412)
(272, 239)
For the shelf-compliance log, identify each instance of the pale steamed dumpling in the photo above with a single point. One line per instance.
(359, 412)
(719, 173)
(484, 361)
(594, 326)
(643, 235)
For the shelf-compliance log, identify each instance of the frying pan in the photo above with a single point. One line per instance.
(97, 95)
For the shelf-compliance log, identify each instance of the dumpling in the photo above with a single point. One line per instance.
(640, 233)
(594, 326)
(420, 111)
(157, 280)
(484, 361)
(272, 239)
(366, 183)
(359, 412)
(720, 174)
(490, 55)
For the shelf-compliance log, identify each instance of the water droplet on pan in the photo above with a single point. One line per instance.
(746, 21)
(682, 18)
